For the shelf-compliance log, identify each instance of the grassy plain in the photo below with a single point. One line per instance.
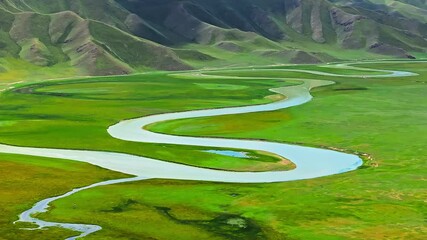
(26, 180)
(384, 117)
(16, 71)
(73, 110)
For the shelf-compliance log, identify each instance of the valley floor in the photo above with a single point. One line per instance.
(383, 117)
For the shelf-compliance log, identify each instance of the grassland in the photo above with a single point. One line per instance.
(73, 110)
(16, 71)
(384, 117)
(26, 180)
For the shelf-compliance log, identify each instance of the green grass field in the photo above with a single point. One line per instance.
(384, 117)
(72, 110)
(26, 180)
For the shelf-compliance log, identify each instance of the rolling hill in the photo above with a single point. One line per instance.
(105, 37)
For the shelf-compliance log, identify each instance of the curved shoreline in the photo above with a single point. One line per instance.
(43, 206)
(326, 162)
(310, 162)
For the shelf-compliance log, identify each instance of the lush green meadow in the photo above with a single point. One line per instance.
(384, 117)
(26, 180)
(79, 111)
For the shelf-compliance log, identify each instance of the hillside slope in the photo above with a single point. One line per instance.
(92, 47)
(100, 37)
(347, 26)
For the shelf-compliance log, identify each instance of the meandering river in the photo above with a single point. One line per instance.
(310, 162)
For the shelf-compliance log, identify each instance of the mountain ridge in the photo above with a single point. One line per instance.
(122, 36)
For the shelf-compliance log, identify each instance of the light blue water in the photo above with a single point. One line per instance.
(229, 153)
